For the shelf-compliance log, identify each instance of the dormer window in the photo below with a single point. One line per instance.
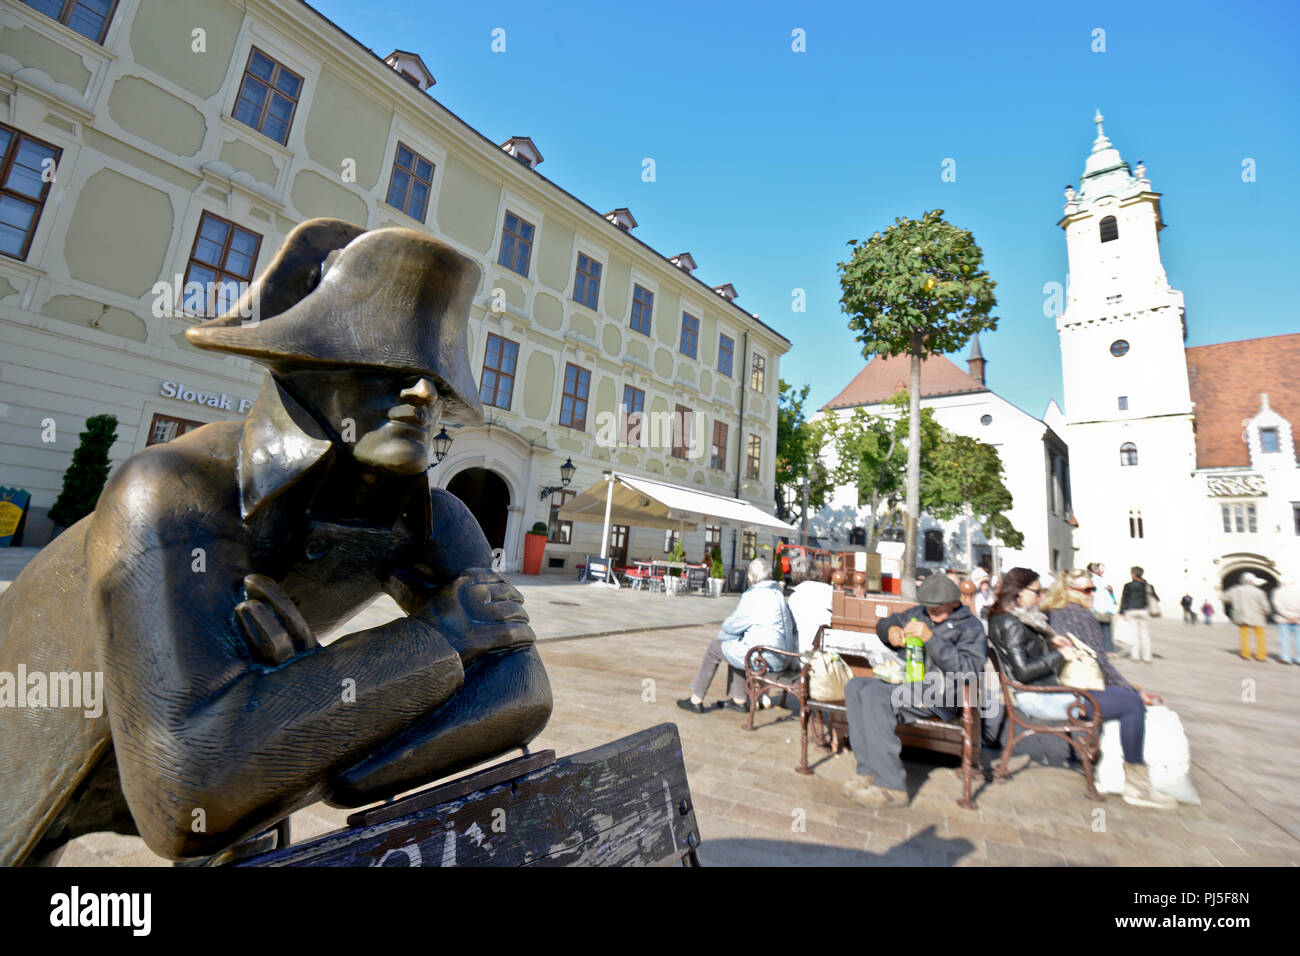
(622, 217)
(1109, 228)
(411, 68)
(1269, 437)
(523, 149)
(1269, 441)
(726, 290)
(684, 261)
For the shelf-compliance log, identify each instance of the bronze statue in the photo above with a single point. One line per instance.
(212, 565)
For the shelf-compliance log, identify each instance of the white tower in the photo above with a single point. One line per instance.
(1128, 409)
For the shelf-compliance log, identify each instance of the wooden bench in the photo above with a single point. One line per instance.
(827, 721)
(626, 803)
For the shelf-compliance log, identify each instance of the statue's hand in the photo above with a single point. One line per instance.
(480, 611)
(271, 623)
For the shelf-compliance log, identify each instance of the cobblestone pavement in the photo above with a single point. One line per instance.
(1241, 718)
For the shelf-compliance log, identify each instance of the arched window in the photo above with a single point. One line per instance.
(1109, 229)
(1128, 453)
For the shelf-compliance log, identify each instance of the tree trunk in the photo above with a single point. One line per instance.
(913, 473)
(970, 548)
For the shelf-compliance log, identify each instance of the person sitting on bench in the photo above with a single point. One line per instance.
(954, 644)
(761, 618)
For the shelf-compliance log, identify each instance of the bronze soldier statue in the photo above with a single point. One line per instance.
(213, 564)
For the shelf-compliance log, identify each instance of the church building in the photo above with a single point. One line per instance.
(1184, 458)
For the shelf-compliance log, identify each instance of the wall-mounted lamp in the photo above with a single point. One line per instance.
(566, 476)
(441, 445)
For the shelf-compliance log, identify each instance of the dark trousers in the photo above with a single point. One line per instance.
(874, 710)
(1107, 638)
(709, 666)
(1126, 706)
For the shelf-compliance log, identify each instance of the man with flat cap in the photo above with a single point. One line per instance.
(212, 565)
(955, 646)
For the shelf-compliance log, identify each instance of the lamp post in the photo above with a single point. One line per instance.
(441, 445)
(566, 476)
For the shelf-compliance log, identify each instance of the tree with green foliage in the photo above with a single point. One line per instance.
(85, 477)
(916, 289)
(965, 477)
(798, 452)
(871, 456)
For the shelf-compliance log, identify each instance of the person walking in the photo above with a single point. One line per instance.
(1286, 608)
(1189, 616)
(1104, 605)
(1134, 607)
(1250, 610)
(1207, 609)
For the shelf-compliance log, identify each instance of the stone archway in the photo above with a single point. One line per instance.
(1235, 567)
(487, 496)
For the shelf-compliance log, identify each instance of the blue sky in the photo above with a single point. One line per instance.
(768, 160)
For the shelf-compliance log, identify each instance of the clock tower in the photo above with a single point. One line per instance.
(1128, 407)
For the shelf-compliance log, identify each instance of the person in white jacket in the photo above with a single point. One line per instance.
(761, 618)
(1286, 608)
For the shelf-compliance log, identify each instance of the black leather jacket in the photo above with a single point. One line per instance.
(1024, 651)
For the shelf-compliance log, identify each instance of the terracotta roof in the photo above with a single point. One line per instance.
(1226, 381)
(883, 377)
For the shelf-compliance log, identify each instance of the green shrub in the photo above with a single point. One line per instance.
(85, 477)
(677, 554)
(539, 527)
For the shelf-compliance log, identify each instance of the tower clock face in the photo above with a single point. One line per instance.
(1119, 347)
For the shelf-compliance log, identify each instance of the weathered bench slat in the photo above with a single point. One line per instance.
(625, 803)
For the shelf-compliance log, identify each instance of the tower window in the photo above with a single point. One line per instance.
(1109, 229)
(1128, 453)
(1123, 403)
(1135, 529)
(934, 545)
(986, 419)
(1268, 441)
(1119, 348)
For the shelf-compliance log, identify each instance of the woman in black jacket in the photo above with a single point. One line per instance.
(1034, 654)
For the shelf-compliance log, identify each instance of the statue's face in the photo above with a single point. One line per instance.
(385, 419)
(398, 443)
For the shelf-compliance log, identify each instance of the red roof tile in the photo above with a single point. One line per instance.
(1226, 381)
(883, 377)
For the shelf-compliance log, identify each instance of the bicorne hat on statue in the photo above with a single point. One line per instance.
(338, 295)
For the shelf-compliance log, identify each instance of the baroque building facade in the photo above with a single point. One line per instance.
(156, 152)
(1184, 458)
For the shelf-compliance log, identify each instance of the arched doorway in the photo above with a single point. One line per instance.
(1232, 577)
(485, 494)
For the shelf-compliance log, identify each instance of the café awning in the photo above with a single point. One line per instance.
(646, 503)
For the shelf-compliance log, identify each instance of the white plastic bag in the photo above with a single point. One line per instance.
(1168, 756)
(1165, 751)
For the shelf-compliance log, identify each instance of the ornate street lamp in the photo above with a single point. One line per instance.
(441, 445)
(566, 476)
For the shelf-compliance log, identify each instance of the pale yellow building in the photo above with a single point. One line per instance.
(158, 149)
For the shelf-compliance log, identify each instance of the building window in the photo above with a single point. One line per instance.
(758, 373)
(986, 420)
(516, 244)
(1128, 453)
(573, 405)
(643, 304)
(748, 545)
(618, 544)
(220, 267)
(726, 354)
(412, 179)
(1119, 348)
(1123, 403)
(90, 18)
(498, 380)
(754, 454)
(1109, 228)
(857, 535)
(25, 175)
(682, 431)
(671, 537)
(1239, 518)
(712, 540)
(934, 545)
(586, 282)
(1295, 514)
(1268, 441)
(557, 530)
(719, 457)
(268, 97)
(1135, 529)
(690, 344)
(164, 428)
(633, 412)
